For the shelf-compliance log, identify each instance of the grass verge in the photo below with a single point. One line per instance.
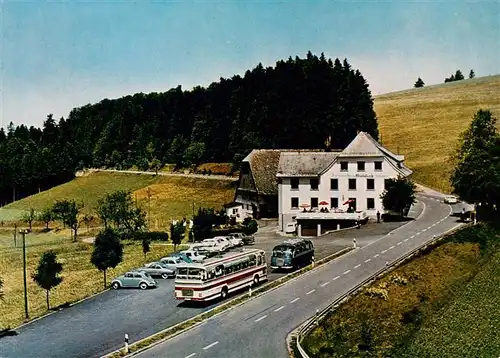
(179, 328)
(385, 316)
(80, 278)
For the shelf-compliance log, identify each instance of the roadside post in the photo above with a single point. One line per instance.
(354, 243)
(26, 315)
(126, 343)
(250, 291)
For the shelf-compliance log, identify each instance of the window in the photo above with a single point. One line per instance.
(361, 166)
(370, 184)
(343, 166)
(295, 203)
(235, 211)
(378, 165)
(352, 204)
(314, 202)
(314, 184)
(386, 183)
(370, 203)
(334, 202)
(294, 182)
(334, 184)
(352, 184)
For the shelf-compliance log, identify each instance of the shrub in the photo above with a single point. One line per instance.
(399, 279)
(377, 292)
(251, 227)
(150, 236)
(413, 316)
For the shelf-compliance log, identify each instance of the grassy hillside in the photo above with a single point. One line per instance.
(170, 196)
(423, 308)
(424, 123)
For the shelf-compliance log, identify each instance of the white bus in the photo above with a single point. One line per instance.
(219, 276)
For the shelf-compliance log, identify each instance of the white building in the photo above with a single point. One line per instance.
(238, 211)
(327, 180)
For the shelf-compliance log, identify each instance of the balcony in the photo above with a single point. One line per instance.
(332, 215)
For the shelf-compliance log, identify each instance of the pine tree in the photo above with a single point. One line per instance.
(419, 83)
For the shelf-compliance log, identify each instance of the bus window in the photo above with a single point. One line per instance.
(259, 262)
(219, 270)
(253, 260)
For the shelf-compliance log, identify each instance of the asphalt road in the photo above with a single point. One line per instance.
(98, 325)
(259, 327)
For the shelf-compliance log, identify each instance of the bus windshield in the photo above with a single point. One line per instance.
(282, 251)
(191, 273)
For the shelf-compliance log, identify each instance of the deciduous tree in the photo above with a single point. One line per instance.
(29, 217)
(177, 232)
(399, 195)
(108, 251)
(476, 176)
(46, 216)
(47, 273)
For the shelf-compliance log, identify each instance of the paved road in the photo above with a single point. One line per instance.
(259, 327)
(213, 177)
(97, 326)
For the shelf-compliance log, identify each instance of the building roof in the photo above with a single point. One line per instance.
(364, 145)
(268, 164)
(263, 167)
(303, 164)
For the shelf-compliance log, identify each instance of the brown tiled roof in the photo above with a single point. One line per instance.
(263, 165)
(300, 163)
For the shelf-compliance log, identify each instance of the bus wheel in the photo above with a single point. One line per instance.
(256, 280)
(223, 293)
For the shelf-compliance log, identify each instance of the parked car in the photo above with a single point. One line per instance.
(220, 243)
(172, 262)
(182, 256)
(207, 249)
(450, 199)
(157, 269)
(194, 255)
(247, 239)
(235, 240)
(137, 279)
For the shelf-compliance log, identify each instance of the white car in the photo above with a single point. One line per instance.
(172, 262)
(201, 247)
(450, 199)
(235, 241)
(219, 242)
(194, 255)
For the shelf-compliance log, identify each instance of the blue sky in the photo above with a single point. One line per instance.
(59, 55)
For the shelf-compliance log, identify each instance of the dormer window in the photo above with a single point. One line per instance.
(378, 165)
(294, 183)
(343, 166)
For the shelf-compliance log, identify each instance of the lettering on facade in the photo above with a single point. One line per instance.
(364, 175)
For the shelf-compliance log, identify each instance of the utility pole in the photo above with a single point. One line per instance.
(191, 228)
(24, 232)
(15, 235)
(148, 192)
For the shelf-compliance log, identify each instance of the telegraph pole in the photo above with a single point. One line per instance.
(26, 315)
(148, 191)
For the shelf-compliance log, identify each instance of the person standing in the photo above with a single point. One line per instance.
(378, 216)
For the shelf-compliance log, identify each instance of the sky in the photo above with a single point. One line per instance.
(64, 54)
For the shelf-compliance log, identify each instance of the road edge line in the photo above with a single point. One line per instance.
(320, 264)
